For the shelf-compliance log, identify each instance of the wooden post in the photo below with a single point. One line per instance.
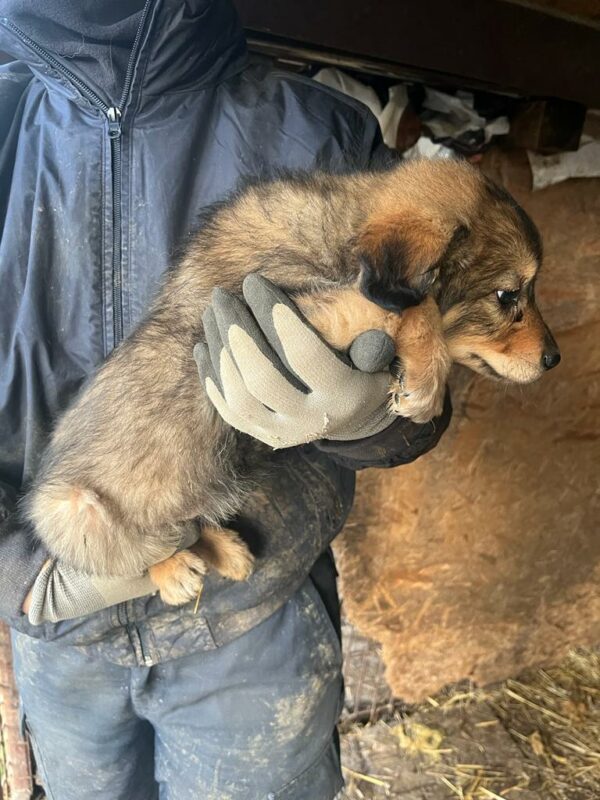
(16, 781)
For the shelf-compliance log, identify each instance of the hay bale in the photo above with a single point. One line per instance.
(483, 558)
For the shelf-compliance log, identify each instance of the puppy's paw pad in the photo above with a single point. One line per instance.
(418, 414)
(417, 406)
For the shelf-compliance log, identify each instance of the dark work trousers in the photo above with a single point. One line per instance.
(252, 720)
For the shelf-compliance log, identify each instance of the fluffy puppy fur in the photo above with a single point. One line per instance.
(430, 251)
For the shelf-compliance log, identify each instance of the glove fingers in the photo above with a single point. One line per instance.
(237, 396)
(228, 390)
(244, 367)
(263, 296)
(263, 374)
(315, 363)
(245, 424)
(229, 312)
(258, 372)
(213, 340)
(204, 363)
(219, 402)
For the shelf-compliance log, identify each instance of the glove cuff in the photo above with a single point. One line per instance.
(400, 443)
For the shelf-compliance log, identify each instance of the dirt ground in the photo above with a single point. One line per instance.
(531, 738)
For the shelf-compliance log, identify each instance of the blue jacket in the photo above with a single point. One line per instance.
(115, 132)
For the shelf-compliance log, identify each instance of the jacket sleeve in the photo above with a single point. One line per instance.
(402, 442)
(21, 556)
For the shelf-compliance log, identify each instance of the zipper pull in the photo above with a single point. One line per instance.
(114, 122)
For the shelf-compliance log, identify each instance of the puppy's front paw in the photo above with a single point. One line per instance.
(179, 578)
(417, 389)
(420, 372)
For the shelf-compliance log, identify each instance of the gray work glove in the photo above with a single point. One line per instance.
(60, 592)
(269, 373)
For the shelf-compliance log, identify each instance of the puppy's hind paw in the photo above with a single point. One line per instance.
(179, 578)
(226, 552)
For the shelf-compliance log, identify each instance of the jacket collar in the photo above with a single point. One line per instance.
(160, 46)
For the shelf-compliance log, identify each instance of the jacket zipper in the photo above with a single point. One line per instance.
(113, 115)
(114, 131)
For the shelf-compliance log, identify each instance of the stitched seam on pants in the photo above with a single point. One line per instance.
(39, 761)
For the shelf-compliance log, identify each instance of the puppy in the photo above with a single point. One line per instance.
(431, 252)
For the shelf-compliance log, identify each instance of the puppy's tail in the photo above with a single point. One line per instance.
(80, 527)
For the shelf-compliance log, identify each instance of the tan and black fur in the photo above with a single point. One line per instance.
(421, 251)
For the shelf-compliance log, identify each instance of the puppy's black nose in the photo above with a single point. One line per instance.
(551, 358)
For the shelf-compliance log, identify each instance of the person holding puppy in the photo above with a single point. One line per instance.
(119, 123)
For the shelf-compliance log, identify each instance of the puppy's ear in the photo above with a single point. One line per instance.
(376, 285)
(400, 256)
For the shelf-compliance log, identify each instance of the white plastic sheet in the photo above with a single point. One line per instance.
(389, 119)
(446, 116)
(456, 114)
(583, 163)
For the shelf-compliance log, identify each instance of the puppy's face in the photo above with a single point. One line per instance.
(441, 228)
(486, 291)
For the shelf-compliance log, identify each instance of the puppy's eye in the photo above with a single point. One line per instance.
(506, 298)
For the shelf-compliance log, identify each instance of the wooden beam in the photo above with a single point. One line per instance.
(511, 47)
